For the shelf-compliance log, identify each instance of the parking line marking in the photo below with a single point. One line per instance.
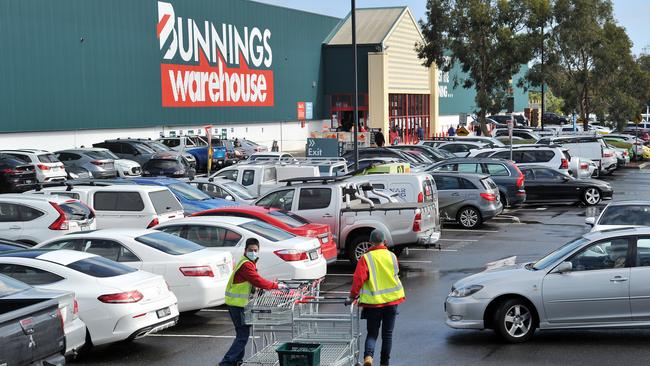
(432, 250)
(472, 231)
(216, 310)
(457, 239)
(192, 336)
(410, 261)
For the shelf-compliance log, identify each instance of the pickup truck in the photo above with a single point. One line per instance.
(196, 146)
(351, 214)
(31, 325)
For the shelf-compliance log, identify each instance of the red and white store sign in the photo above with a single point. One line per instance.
(222, 65)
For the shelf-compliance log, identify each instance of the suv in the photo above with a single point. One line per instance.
(553, 119)
(98, 164)
(128, 149)
(467, 198)
(31, 219)
(588, 147)
(126, 206)
(158, 147)
(485, 140)
(550, 156)
(504, 173)
(48, 167)
(168, 164)
(15, 175)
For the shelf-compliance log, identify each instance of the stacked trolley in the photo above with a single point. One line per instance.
(300, 315)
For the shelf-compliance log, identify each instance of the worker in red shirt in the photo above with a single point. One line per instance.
(377, 285)
(240, 285)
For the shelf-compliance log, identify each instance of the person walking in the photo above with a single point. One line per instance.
(420, 131)
(379, 138)
(451, 131)
(393, 136)
(379, 290)
(240, 285)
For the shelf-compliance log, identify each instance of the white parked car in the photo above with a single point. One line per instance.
(621, 214)
(282, 255)
(31, 219)
(116, 302)
(122, 205)
(220, 187)
(461, 149)
(48, 167)
(196, 275)
(125, 168)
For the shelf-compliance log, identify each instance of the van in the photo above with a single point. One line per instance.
(411, 187)
(256, 178)
(125, 206)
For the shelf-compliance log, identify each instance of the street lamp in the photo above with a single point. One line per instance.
(356, 88)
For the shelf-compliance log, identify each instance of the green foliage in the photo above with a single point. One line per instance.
(552, 103)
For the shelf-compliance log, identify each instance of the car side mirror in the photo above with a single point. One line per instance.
(229, 198)
(563, 267)
(591, 221)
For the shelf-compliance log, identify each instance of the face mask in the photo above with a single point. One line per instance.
(251, 255)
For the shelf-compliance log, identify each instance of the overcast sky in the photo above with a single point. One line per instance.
(634, 15)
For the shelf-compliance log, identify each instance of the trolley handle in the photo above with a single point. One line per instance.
(324, 300)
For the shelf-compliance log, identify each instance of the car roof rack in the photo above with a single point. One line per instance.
(40, 186)
(532, 146)
(324, 180)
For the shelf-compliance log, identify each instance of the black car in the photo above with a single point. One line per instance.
(520, 120)
(15, 175)
(544, 185)
(431, 152)
(504, 173)
(382, 152)
(170, 165)
(554, 119)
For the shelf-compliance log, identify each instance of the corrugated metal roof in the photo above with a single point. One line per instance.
(373, 25)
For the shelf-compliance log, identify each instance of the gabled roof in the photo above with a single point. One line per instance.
(373, 26)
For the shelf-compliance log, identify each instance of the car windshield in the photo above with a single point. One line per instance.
(9, 286)
(162, 164)
(288, 218)
(108, 154)
(100, 267)
(48, 158)
(188, 192)
(168, 243)
(157, 146)
(239, 190)
(267, 231)
(99, 155)
(559, 253)
(637, 215)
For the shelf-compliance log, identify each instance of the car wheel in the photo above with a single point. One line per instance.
(591, 196)
(469, 217)
(358, 247)
(514, 321)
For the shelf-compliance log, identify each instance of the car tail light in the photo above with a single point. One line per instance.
(420, 197)
(9, 171)
(153, 223)
(95, 162)
(625, 153)
(608, 154)
(75, 307)
(584, 166)
(43, 167)
(489, 197)
(197, 271)
(291, 255)
(61, 223)
(122, 297)
(564, 164)
(417, 222)
(60, 316)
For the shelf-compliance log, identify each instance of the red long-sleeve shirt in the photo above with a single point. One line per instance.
(361, 275)
(248, 272)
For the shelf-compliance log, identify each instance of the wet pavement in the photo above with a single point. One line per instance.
(421, 336)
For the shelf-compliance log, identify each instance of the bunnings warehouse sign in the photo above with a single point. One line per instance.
(208, 64)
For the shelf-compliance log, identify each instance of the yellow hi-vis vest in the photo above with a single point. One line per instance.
(237, 294)
(383, 284)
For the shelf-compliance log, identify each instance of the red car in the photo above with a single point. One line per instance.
(284, 220)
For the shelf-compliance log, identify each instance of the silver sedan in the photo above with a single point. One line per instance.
(596, 281)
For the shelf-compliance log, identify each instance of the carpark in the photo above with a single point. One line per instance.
(421, 337)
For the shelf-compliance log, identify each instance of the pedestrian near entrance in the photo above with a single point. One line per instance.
(377, 286)
(451, 131)
(379, 138)
(240, 285)
(420, 133)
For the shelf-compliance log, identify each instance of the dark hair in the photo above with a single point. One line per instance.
(251, 241)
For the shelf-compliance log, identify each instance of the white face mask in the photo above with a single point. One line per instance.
(251, 255)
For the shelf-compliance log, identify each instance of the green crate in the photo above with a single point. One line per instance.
(299, 354)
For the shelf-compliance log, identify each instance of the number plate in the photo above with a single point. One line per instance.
(163, 312)
(313, 255)
(29, 181)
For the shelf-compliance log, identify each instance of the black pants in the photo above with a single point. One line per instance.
(377, 318)
(238, 348)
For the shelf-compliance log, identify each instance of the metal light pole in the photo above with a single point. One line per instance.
(356, 88)
(543, 80)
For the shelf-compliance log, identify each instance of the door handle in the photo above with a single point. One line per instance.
(455, 194)
(14, 227)
(327, 216)
(618, 279)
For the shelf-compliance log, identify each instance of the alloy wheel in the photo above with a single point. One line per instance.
(361, 249)
(592, 196)
(469, 217)
(518, 321)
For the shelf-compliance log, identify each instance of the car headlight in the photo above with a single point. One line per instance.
(465, 291)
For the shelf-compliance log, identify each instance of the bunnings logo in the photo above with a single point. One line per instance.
(207, 64)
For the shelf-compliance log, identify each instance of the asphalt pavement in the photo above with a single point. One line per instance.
(421, 336)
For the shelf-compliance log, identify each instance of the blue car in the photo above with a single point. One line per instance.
(192, 199)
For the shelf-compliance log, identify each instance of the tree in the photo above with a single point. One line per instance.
(490, 39)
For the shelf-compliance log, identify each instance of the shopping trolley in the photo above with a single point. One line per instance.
(322, 320)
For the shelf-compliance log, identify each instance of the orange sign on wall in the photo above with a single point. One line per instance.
(300, 111)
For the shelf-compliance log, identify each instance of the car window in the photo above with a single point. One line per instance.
(605, 254)
(469, 168)
(546, 174)
(239, 190)
(10, 286)
(502, 155)
(71, 244)
(378, 186)
(248, 177)
(288, 218)
(525, 157)
(76, 211)
(171, 142)
(485, 154)
(29, 275)
(47, 158)
(164, 201)
(66, 194)
(497, 170)
(543, 156)
(167, 243)
(188, 192)
(643, 252)
(466, 184)
(211, 189)
(28, 213)
(280, 199)
(118, 201)
(314, 198)
(212, 236)
(529, 174)
(270, 174)
(100, 267)
(447, 183)
(267, 231)
(229, 174)
(9, 212)
(638, 215)
(21, 157)
(109, 249)
(446, 167)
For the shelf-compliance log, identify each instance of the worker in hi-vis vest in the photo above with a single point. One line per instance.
(377, 286)
(240, 285)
